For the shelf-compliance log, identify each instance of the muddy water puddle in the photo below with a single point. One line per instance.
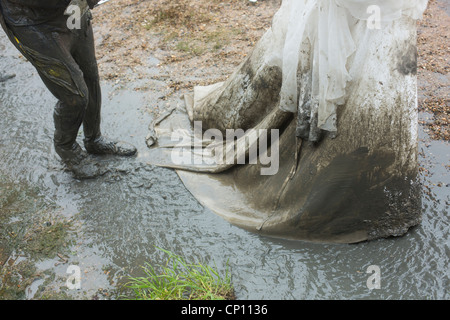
(121, 217)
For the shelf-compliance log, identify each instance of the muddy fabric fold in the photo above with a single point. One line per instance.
(342, 95)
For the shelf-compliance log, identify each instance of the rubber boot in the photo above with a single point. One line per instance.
(105, 146)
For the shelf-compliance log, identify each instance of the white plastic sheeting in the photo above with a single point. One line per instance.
(319, 54)
(328, 26)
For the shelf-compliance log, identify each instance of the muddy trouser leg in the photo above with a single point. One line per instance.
(49, 50)
(84, 54)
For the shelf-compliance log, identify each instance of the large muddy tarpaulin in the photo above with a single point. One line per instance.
(331, 91)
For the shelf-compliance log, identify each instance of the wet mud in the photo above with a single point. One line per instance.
(117, 219)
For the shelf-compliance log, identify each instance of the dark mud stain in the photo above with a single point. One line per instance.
(360, 194)
(408, 61)
(266, 85)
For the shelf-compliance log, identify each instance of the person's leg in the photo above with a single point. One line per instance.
(48, 49)
(84, 55)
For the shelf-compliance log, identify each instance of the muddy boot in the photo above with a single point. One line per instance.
(73, 155)
(105, 146)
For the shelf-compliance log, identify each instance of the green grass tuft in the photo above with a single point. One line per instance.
(179, 280)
